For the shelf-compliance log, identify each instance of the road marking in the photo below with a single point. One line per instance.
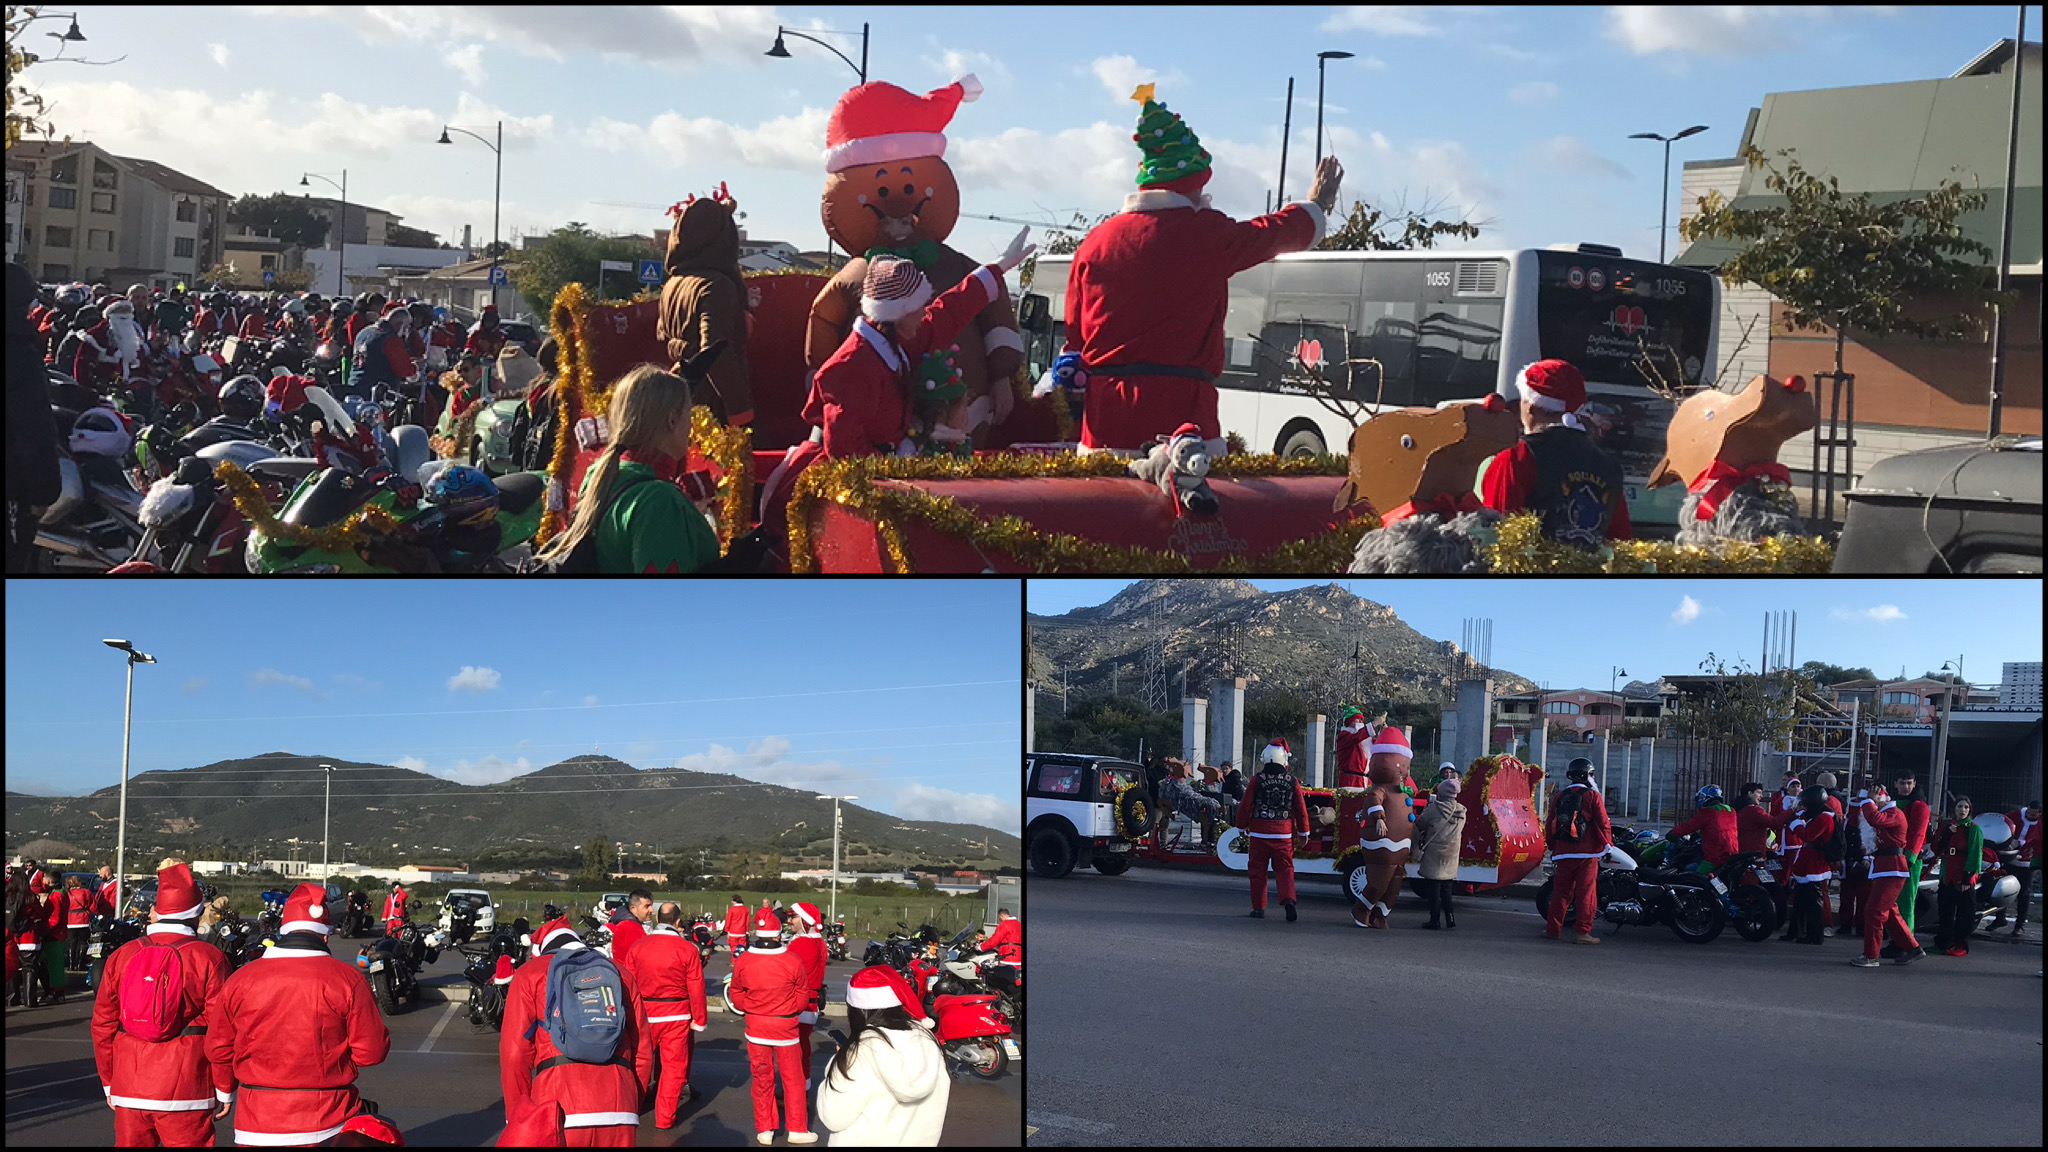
(1071, 1123)
(427, 1045)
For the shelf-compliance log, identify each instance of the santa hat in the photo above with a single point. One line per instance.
(1389, 739)
(879, 986)
(766, 923)
(1173, 157)
(893, 289)
(877, 123)
(1553, 386)
(1879, 796)
(808, 913)
(305, 910)
(177, 896)
(503, 973)
(1275, 753)
(368, 1126)
(552, 931)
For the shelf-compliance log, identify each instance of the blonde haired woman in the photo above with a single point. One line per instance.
(639, 521)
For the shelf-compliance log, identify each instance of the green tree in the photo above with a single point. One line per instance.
(1841, 261)
(739, 868)
(291, 219)
(570, 255)
(499, 248)
(1367, 229)
(597, 861)
(927, 885)
(406, 237)
(1821, 672)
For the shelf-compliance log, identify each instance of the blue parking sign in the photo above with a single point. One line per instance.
(498, 275)
(650, 272)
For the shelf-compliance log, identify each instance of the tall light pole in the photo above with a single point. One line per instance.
(1664, 208)
(1323, 58)
(326, 812)
(1996, 405)
(1938, 785)
(834, 914)
(497, 191)
(1286, 127)
(1614, 674)
(127, 714)
(861, 69)
(341, 256)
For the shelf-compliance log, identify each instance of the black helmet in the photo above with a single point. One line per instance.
(343, 306)
(1579, 769)
(86, 317)
(242, 398)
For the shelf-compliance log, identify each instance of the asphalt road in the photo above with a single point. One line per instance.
(440, 1082)
(1181, 1021)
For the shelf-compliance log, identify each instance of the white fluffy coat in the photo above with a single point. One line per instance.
(895, 1097)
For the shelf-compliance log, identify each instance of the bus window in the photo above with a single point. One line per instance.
(1242, 320)
(1457, 353)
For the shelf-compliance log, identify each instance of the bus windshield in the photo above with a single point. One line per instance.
(1624, 322)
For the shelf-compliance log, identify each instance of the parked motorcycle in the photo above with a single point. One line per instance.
(835, 940)
(240, 941)
(1628, 893)
(355, 918)
(983, 971)
(1744, 885)
(94, 523)
(970, 1030)
(596, 935)
(704, 936)
(426, 541)
(490, 968)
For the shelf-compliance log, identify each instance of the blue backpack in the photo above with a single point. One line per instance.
(586, 1006)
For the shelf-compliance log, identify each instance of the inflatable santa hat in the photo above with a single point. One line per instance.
(1554, 386)
(878, 122)
(1389, 739)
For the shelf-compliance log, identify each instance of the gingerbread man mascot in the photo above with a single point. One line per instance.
(1383, 827)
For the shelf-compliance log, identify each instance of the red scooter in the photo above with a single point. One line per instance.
(970, 1031)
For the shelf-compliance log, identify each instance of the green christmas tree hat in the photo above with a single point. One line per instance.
(1170, 147)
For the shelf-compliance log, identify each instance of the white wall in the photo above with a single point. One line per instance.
(364, 259)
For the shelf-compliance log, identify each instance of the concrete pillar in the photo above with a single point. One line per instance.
(1599, 757)
(1226, 723)
(1030, 715)
(1649, 747)
(1538, 736)
(1449, 745)
(1194, 731)
(1475, 709)
(1313, 754)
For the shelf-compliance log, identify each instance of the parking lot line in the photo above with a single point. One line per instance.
(427, 1045)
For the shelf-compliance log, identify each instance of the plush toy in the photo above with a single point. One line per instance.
(1724, 448)
(1415, 466)
(1179, 464)
(890, 191)
(1383, 828)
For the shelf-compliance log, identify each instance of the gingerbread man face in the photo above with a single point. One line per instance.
(891, 204)
(1387, 768)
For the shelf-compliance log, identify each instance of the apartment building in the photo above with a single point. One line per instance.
(87, 214)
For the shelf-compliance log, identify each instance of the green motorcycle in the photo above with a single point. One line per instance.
(424, 541)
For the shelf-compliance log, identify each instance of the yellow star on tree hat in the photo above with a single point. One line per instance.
(1170, 146)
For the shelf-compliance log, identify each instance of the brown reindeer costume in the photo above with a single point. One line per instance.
(1724, 448)
(1416, 467)
(1384, 828)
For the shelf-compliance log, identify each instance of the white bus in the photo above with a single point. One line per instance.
(1425, 328)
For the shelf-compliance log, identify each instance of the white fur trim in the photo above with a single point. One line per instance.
(279, 952)
(1271, 835)
(987, 275)
(1155, 200)
(804, 916)
(970, 88)
(319, 926)
(289, 1138)
(169, 930)
(772, 1043)
(883, 149)
(552, 936)
(192, 911)
(1003, 337)
(1882, 875)
(159, 1105)
(1398, 749)
(598, 1119)
(666, 1019)
(1375, 808)
(866, 998)
(1322, 219)
(1577, 855)
(881, 311)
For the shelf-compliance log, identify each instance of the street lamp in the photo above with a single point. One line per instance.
(341, 255)
(782, 53)
(496, 190)
(72, 34)
(1323, 58)
(127, 713)
(325, 813)
(834, 914)
(1938, 785)
(1664, 209)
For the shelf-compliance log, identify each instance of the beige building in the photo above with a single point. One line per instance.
(87, 214)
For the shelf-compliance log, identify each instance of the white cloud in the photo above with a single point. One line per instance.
(297, 683)
(195, 684)
(674, 140)
(1384, 20)
(1721, 29)
(220, 54)
(469, 60)
(590, 701)
(924, 802)
(1121, 75)
(1688, 610)
(673, 35)
(473, 680)
(1510, 52)
(1881, 614)
(952, 63)
(1567, 154)
(489, 770)
(1533, 92)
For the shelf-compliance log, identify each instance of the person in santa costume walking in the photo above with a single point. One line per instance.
(291, 1031)
(670, 976)
(1384, 825)
(771, 986)
(598, 1085)
(1007, 941)
(1888, 875)
(1274, 814)
(1353, 736)
(1149, 287)
(1556, 471)
(151, 1049)
(1958, 846)
(809, 947)
(1579, 835)
(394, 910)
(736, 927)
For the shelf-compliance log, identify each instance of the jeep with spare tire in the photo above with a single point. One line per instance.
(1082, 809)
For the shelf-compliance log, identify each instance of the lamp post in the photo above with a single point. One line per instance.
(1938, 785)
(782, 53)
(341, 255)
(1323, 58)
(127, 714)
(1664, 208)
(497, 191)
(834, 914)
(326, 812)
(1614, 674)
(1286, 127)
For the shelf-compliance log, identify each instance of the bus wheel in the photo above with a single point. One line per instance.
(1302, 442)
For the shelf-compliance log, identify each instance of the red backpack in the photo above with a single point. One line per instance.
(153, 993)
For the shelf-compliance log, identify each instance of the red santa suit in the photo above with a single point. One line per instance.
(1716, 825)
(670, 977)
(394, 911)
(1272, 826)
(163, 1091)
(1352, 740)
(859, 394)
(1576, 882)
(736, 928)
(1753, 830)
(206, 323)
(809, 946)
(1007, 941)
(600, 1103)
(254, 327)
(290, 1031)
(2029, 832)
(1888, 876)
(770, 984)
(626, 933)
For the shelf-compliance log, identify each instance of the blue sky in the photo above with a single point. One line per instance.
(1570, 633)
(1517, 115)
(479, 682)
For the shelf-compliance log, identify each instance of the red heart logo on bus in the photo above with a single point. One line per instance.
(1309, 352)
(1629, 319)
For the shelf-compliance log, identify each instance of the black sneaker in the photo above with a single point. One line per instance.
(1909, 957)
(1888, 952)
(1432, 925)
(1260, 913)
(1289, 905)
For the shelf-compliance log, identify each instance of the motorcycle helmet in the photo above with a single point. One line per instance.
(87, 316)
(465, 495)
(440, 313)
(1711, 794)
(1579, 769)
(343, 307)
(100, 432)
(422, 313)
(242, 398)
(295, 307)
(71, 296)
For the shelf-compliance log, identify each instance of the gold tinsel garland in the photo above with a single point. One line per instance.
(1521, 549)
(851, 483)
(347, 536)
(732, 449)
(1123, 829)
(457, 441)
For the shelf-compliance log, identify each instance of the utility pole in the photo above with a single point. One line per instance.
(1938, 782)
(326, 814)
(834, 913)
(127, 716)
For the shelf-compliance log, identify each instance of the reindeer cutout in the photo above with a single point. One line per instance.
(1413, 456)
(1742, 430)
